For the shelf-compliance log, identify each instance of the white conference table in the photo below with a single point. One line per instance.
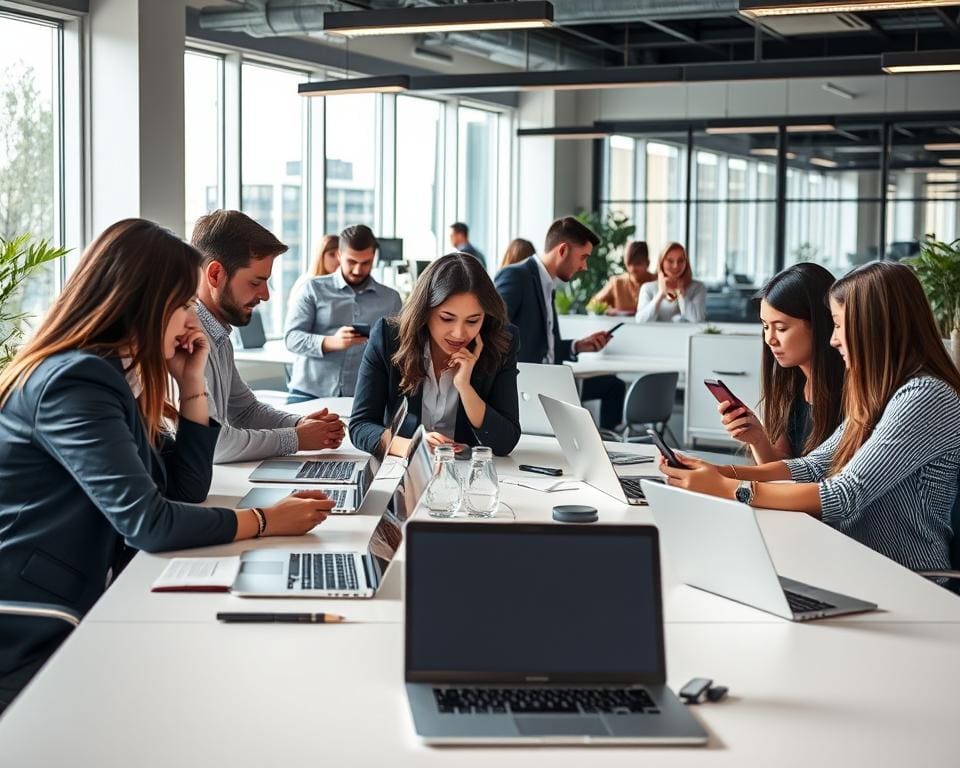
(153, 679)
(592, 364)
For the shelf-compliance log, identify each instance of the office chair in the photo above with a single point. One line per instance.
(649, 402)
(954, 572)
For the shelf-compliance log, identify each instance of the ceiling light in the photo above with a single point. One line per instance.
(771, 152)
(466, 17)
(725, 129)
(920, 61)
(550, 80)
(943, 146)
(819, 128)
(952, 161)
(823, 162)
(565, 132)
(836, 90)
(755, 8)
(380, 84)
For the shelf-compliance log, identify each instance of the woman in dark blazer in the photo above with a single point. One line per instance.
(452, 354)
(89, 467)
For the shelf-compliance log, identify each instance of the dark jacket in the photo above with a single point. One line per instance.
(468, 248)
(522, 292)
(79, 481)
(378, 396)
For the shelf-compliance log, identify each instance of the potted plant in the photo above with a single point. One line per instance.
(938, 269)
(19, 259)
(614, 230)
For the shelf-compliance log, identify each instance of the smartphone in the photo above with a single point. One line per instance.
(665, 451)
(462, 451)
(723, 394)
(610, 332)
(362, 328)
(552, 471)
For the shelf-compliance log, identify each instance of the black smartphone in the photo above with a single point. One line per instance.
(723, 394)
(665, 451)
(610, 332)
(552, 471)
(362, 328)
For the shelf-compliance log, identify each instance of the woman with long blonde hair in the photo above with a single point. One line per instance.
(90, 469)
(327, 260)
(675, 296)
(888, 476)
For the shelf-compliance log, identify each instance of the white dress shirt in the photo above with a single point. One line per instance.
(548, 286)
(438, 411)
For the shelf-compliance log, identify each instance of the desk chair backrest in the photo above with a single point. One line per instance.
(650, 399)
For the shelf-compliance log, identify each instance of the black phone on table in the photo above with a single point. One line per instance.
(723, 394)
(362, 328)
(552, 471)
(669, 456)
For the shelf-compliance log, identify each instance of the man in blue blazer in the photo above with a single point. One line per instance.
(527, 289)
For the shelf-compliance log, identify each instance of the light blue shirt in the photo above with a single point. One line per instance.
(320, 307)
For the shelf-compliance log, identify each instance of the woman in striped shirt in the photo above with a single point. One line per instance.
(888, 476)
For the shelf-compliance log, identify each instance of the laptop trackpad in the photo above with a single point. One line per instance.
(560, 725)
(265, 568)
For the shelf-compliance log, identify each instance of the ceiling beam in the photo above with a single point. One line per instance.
(680, 35)
(951, 25)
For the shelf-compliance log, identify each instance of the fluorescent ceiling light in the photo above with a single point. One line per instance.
(952, 161)
(920, 61)
(721, 130)
(836, 90)
(465, 17)
(550, 80)
(823, 162)
(943, 146)
(565, 132)
(755, 8)
(770, 152)
(381, 84)
(819, 128)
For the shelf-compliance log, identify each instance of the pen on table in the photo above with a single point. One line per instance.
(285, 618)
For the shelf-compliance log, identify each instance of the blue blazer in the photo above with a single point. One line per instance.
(522, 292)
(80, 483)
(378, 396)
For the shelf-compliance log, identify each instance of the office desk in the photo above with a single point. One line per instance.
(592, 364)
(274, 351)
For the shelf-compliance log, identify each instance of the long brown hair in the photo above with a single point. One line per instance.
(687, 277)
(119, 300)
(329, 243)
(801, 292)
(518, 250)
(891, 336)
(448, 276)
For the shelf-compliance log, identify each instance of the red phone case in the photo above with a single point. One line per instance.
(722, 394)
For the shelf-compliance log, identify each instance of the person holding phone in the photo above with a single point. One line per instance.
(90, 467)
(888, 475)
(319, 327)
(452, 354)
(801, 374)
(675, 296)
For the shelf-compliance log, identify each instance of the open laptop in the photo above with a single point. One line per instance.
(583, 449)
(716, 545)
(318, 573)
(346, 500)
(320, 471)
(252, 335)
(534, 651)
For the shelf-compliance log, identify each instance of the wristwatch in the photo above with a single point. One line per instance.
(744, 492)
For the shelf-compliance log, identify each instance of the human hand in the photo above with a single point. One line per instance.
(190, 360)
(344, 338)
(463, 361)
(700, 476)
(298, 513)
(319, 430)
(741, 423)
(435, 439)
(592, 343)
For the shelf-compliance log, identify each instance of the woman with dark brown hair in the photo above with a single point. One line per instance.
(89, 467)
(452, 354)
(327, 260)
(888, 475)
(518, 250)
(675, 296)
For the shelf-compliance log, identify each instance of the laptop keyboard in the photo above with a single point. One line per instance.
(338, 495)
(804, 604)
(322, 570)
(571, 701)
(328, 470)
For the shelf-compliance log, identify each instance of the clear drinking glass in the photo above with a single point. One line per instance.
(482, 493)
(445, 491)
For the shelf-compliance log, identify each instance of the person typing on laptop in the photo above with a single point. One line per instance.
(238, 256)
(453, 356)
(888, 475)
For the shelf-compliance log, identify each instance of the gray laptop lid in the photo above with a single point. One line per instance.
(555, 381)
(252, 335)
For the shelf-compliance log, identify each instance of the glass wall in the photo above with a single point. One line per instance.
(351, 152)
(203, 143)
(477, 181)
(419, 218)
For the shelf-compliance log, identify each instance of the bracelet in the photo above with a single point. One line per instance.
(734, 470)
(261, 521)
(194, 397)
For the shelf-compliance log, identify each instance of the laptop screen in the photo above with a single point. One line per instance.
(497, 602)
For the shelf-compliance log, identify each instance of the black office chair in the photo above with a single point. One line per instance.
(953, 574)
(649, 403)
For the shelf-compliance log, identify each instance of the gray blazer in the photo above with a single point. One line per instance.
(80, 484)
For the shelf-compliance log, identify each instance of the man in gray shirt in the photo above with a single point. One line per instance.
(321, 317)
(238, 256)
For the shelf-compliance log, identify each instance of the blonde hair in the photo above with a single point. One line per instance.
(329, 243)
(687, 276)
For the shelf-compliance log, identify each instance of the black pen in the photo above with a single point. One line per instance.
(285, 618)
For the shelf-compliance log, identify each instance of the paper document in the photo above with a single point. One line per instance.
(198, 574)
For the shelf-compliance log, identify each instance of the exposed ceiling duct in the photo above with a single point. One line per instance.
(260, 18)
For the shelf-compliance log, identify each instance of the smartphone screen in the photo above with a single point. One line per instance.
(665, 451)
(362, 328)
(722, 393)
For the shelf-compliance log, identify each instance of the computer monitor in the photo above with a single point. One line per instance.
(422, 264)
(252, 335)
(391, 249)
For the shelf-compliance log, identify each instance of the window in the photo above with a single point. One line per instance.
(203, 144)
(272, 129)
(351, 161)
(419, 215)
(31, 165)
(477, 180)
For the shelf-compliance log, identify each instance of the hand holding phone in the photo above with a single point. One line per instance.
(361, 328)
(552, 471)
(668, 455)
(723, 394)
(611, 331)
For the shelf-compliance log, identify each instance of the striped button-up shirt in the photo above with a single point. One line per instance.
(897, 492)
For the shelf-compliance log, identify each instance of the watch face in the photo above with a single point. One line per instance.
(743, 494)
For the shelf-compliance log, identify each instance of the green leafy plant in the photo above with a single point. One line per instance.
(938, 269)
(712, 329)
(20, 257)
(562, 302)
(614, 230)
(597, 307)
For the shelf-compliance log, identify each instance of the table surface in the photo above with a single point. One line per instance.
(153, 680)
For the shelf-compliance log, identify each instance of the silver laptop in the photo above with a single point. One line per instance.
(559, 641)
(554, 381)
(318, 573)
(583, 449)
(716, 545)
(346, 500)
(320, 471)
